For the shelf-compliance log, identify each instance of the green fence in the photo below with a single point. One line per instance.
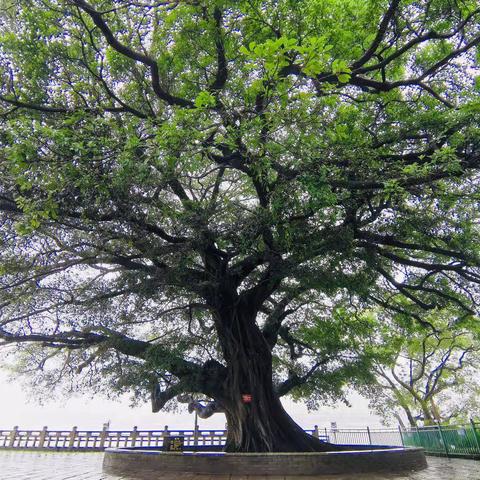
(450, 441)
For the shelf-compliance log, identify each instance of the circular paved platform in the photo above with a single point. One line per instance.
(158, 465)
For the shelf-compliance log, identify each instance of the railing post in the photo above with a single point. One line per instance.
(103, 436)
(369, 436)
(401, 435)
(43, 436)
(165, 435)
(475, 438)
(13, 436)
(315, 431)
(196, 434)
(418, 442)
(134, 435)
(72, 436)
(195, 430)
(442, 436)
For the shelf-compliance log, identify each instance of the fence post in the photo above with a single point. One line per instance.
(43, 436)
(13, 436)
(103, 436)
(315, 431)
(442, 436)
(401, 435)
(72, 436)
(419, 439)
(369, 436)
(196, 434)
(166, 434)
(474, 430)
(134, 435)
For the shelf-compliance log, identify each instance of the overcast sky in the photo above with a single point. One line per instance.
(18, 407)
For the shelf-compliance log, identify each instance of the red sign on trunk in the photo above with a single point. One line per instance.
(246, 398)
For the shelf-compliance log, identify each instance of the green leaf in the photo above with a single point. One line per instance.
(204, 100)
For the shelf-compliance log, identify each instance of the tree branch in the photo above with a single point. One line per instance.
(128, 52)
(222, 71)
(382, 30)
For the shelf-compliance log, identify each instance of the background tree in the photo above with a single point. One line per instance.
(186, 170)
(428, 376)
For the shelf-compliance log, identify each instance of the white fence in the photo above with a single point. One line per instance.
(75, 439)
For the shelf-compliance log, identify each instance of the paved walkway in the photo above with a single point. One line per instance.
(88, 466)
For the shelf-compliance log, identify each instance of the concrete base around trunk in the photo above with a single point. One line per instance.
(158, 465)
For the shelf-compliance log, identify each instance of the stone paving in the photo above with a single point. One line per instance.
(18, 465)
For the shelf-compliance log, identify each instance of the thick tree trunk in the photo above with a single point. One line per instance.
(265, 426)
(260, 424)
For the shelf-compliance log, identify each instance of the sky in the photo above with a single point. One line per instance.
(19, 408)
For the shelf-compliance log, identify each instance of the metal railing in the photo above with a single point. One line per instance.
(446, 440)
(365, 436)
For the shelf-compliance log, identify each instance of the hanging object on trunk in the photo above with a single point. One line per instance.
(203, 411)
(246, 398)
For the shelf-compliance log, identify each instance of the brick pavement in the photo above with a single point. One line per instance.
(18, 465)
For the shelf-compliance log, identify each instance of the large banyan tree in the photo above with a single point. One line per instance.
(194, 193)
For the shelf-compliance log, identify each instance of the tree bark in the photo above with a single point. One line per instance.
(428, 419)
(435, 411)
(411, 419)
(408, 412)
(259, 425)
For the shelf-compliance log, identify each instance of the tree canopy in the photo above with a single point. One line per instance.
(188, 187)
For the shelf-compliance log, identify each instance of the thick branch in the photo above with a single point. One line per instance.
(382, 30)
(51, 109)
(295, 380)
(128, 52)
(222, 72)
